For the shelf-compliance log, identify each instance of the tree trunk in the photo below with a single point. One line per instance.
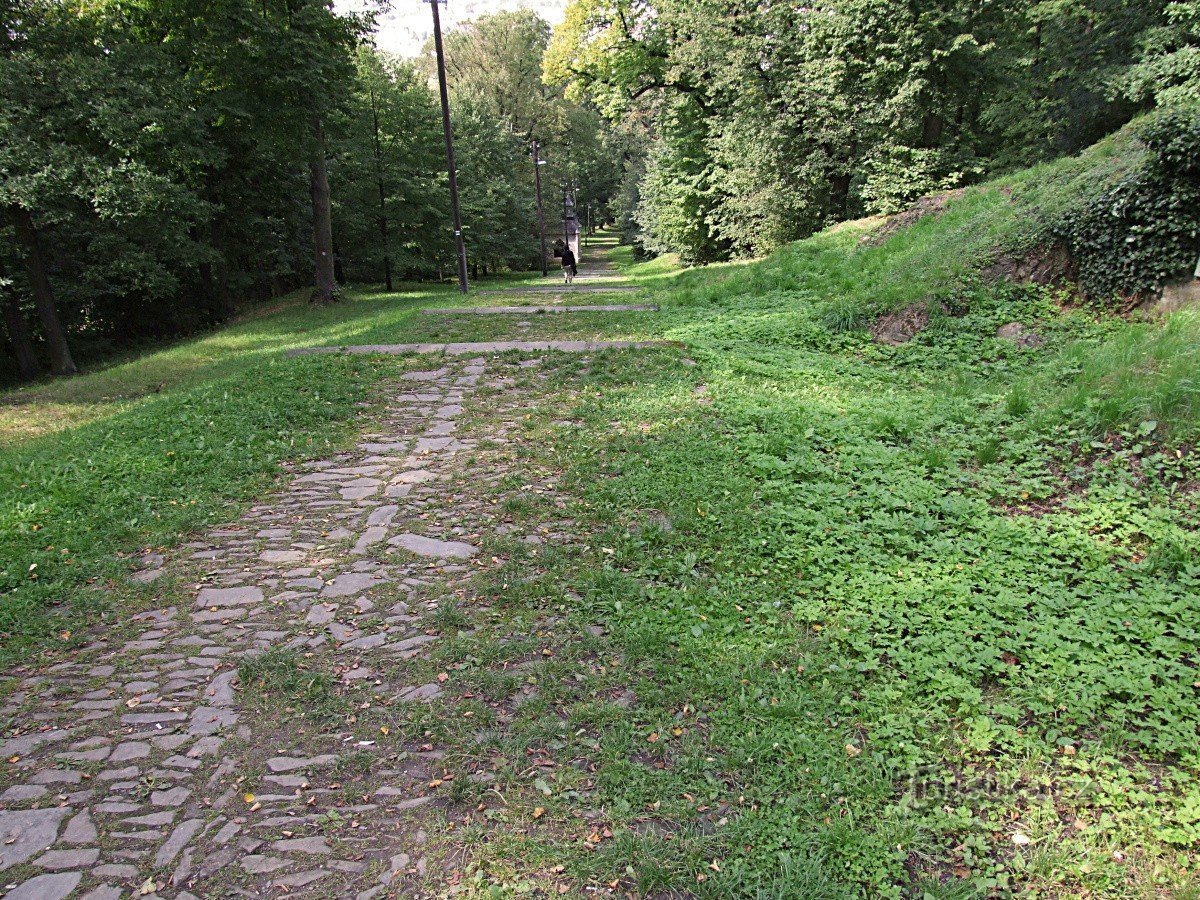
(61, 362)
(931, 130)
(223, 306)
(383, 219)
(839, 196)
(18, 337)
(323, 287)
(339, 274)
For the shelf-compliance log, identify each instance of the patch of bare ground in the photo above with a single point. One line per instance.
(931, 205)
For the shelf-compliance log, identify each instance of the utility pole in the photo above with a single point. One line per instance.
(538, 162)
(441, 67)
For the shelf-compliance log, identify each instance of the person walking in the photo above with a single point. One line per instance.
(568, 264)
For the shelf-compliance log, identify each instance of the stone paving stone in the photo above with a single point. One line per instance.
(349, 584)
(291, 764)
(314, 845)
(179, 839)
(26, 832)
(80, 829)
(158, 708)
(130, 750)
(259, 865)
(209, 597)
(67, 859)
(46, 887)
(432, 547)
(300, 879)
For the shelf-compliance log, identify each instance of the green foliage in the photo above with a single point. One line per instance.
(161, 151)
(801, 117)
(1144, 379)
(1143, 232)
(391, 204)
(951, 555)
(1169, 71)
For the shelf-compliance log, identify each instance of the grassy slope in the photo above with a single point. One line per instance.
(927, 615)
(915, 604)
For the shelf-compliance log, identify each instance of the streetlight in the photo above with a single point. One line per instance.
(441, 67)
(538, 162)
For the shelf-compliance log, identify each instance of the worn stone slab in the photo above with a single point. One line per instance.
(80, 830)
(19, 746)
(280, 764)
(179, 839)
(314, 845)
(236, 596)
(26, 832)
(432, 547)
(519, 310)
(484, 347)
(350, 583)
(46, 887)
(67, 859)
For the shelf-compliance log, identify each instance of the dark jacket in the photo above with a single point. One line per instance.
(568, 260)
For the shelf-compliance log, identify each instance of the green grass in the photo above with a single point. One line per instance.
(880, 621)
(924, 622)
(918, 603)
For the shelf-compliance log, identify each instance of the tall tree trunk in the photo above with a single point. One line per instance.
(323, 287)
(383, 219)
(223, 305)
(18, 337)
(931, 130)
(61, 362)
(839, 195)
(339, 274)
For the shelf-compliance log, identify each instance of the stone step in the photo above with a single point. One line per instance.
(500, 310)
(486, 347)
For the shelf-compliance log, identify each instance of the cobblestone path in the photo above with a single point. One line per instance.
(144, 767)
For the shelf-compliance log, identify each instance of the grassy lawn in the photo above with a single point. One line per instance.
(878, 621)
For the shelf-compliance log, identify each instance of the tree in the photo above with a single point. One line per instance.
(388, 171)
(797, 117)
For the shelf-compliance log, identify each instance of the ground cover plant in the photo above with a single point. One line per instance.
(913, 620)
(838, 618)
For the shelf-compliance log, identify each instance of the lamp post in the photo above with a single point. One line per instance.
(538, 162)
(441, 68)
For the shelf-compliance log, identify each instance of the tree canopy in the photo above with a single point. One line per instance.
(165, 162)
(768, 121)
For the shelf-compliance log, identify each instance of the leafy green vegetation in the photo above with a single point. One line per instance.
(166, 167)
(913, 620)
(761, 124)
(925, 618)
